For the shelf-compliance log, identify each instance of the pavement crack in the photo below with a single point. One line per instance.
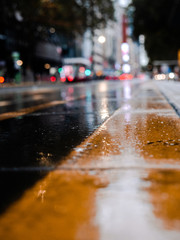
(164, 142)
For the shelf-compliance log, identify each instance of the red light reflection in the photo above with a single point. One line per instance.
(70, 90)
(63, 79)
(70, 78)
(125, 76)
(2, 79)
(53, 79)
(82, 69)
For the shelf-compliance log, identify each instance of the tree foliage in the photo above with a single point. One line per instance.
(159, 21)
(24, 23)
(67, 15)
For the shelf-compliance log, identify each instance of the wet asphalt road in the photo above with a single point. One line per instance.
(35, 139)
(119, 180)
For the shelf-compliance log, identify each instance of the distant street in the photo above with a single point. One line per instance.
(85, 159)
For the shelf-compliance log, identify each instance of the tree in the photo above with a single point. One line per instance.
(159, 21)
(31, 21)
(96, 14)
(71, 15)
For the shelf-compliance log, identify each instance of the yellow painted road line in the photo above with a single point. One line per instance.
(28, 110)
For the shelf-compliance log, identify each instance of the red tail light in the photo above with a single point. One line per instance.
(63, 79)
(2, 79)
(70, 78)
(125, 76)
(53, 79)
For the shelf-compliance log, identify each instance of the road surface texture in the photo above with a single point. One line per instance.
(120, 182)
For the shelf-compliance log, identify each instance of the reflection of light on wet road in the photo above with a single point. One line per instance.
(37, 97)
(102, 87)
(28, 110)
(44, 159)
(124, 212)
(89, 108)
(104, 111)
(127, 115)
(127, 90)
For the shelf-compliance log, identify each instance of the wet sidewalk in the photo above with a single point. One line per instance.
(123, 182)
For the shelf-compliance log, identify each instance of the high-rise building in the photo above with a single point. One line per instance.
(110, 54)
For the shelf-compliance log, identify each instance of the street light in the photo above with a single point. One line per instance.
(101, 39)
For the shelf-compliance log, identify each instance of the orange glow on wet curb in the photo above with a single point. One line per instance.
(61, 206)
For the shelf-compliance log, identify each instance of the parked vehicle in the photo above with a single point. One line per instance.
(75, 70)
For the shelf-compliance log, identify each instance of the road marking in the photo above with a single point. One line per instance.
(4, 103)
(24, 111)
(27, 99)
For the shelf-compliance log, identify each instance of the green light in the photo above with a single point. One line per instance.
(60, 70)
(88, 72)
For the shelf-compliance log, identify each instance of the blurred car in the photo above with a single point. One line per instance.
(169, 76)
(126, 76)
(74, 73)
(160, 76)
(75, 70)
(110, 74)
